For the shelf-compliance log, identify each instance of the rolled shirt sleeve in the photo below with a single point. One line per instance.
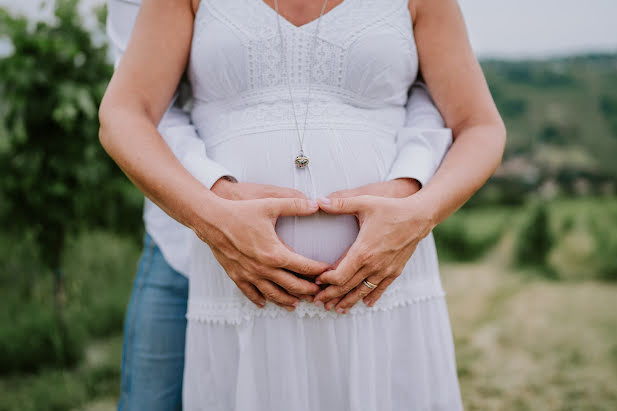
(423, 141)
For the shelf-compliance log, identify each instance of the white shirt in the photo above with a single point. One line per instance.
(421, 143)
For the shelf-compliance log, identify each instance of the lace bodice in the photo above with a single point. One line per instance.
(364, 63)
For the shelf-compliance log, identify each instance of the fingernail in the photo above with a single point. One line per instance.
(318, 303)
(313, 203)
(340, 310)
(325, 200)
(318, 282)
(346, 310)
(297, 303)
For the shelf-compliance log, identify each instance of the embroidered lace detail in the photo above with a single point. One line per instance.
(213, 120)
(266, 63)
(255, 25)
(235, 313)
(418, 282)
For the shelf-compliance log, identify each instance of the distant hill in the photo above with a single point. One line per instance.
(561, 116)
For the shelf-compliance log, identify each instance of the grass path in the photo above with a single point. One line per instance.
(529, 344)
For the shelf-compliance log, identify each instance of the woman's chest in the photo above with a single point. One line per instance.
(362, 48)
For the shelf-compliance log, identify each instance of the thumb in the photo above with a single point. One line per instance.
(294, 206)
(340, 205)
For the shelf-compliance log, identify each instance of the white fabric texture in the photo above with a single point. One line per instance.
(397, 355)
(422, 140)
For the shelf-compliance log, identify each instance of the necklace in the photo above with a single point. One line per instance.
(301, 160)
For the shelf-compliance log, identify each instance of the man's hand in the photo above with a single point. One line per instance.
(251, 191)
(290, 287)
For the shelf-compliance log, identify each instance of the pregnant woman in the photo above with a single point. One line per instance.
(250, 65)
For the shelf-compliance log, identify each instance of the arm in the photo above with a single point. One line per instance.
(241, 234)
(462, 95)
(391, 228)
(175, 126)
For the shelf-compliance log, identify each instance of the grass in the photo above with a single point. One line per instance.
(97, 377)
(532, 344)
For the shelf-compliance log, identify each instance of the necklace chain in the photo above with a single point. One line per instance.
(301, 160)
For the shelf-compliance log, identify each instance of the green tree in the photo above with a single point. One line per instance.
(54, 177)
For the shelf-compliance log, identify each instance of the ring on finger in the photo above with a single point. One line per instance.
(369, 284)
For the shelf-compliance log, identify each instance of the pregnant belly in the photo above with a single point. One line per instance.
(339, 159)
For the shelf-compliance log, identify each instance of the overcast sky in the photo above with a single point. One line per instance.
(509, 28)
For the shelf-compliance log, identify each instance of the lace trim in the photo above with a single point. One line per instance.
(237, 313)
(235, 310)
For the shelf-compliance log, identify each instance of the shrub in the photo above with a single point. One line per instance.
(469, 234)
(534, 240)
(604, 256)
(36, 339)
(100, 269)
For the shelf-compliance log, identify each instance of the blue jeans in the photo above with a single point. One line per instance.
(154, 334)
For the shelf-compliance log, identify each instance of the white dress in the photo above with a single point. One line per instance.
(397, 355)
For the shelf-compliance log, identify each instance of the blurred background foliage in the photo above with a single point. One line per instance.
(529, 263)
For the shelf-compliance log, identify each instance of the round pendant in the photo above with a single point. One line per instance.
(301, 161)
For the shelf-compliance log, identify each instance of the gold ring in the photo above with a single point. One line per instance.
(369, 284)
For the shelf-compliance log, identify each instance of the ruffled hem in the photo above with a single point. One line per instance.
(386, 360)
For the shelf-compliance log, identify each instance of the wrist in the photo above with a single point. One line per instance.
(404, 187)
(206, 213)
(225, 187)
(424, 208)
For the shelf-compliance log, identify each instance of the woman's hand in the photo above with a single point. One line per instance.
(233, 190)
(397, 188)
(242, 237)
(390, 230)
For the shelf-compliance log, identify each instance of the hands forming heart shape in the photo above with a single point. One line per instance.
(392, 222)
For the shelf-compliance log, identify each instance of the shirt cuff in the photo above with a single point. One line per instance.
(204, 169)
(421, 151)
(191, 152)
